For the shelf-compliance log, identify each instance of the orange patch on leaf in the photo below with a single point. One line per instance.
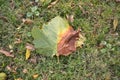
(67, 42)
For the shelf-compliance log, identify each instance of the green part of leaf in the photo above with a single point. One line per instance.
(46, 39)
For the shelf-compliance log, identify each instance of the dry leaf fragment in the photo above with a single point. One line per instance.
(70, 18)
(27, 21)
(35, 76)
(115, 23)
(19, 79)
(12, 68)
(30, 46)
(25, 71)
(6, 53)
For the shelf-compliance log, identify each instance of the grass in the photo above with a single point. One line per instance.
(92, 62)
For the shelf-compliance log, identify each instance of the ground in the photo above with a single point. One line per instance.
(98, 59)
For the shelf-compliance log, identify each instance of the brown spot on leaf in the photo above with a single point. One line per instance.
(67, 44)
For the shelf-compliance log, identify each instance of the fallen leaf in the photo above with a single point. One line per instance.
(35, 76)
(52, 4)
(4, 18)
(6, 53)
(27, 53)
(27, 21)
(57, 37)
(3, 76)
(115, 23)
(29, 48)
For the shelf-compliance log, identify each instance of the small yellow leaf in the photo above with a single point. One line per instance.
(27, 53)
(3, 76)
(35, 76)
(115, 23)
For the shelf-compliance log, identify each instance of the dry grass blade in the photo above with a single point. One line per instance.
(6, 53)
(52, 4)
(115, 23)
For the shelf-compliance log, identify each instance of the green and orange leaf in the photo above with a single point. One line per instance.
(56, 38)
